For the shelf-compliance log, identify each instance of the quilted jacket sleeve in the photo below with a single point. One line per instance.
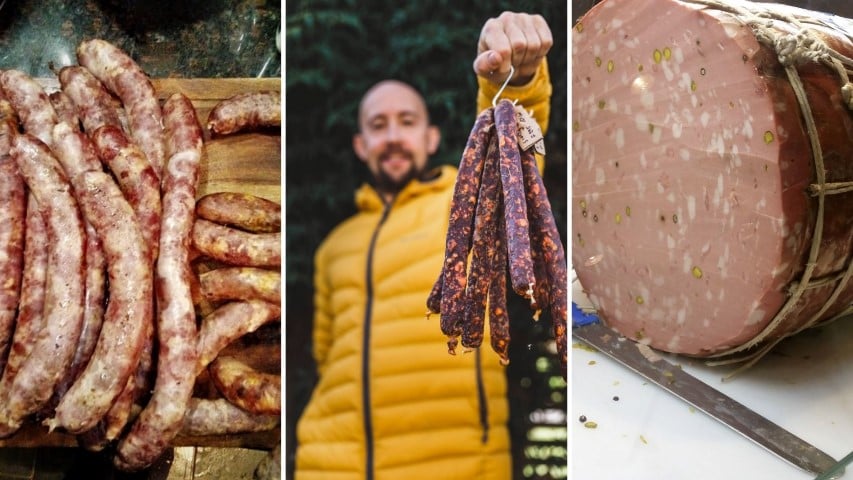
(322, 316)
(534, 96)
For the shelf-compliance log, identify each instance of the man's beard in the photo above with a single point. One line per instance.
(387, 185)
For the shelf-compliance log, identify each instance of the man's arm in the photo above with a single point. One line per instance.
(521, 40)
(322, 328)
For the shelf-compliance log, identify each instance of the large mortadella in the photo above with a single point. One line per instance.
(162, 417)
(707, 150)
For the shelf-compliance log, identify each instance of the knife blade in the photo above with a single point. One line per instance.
(703, 397)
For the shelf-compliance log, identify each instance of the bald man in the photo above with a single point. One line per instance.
(391, 403)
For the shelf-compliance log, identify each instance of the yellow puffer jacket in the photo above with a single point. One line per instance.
(391, 403)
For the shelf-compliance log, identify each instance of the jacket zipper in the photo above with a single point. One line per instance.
(365, 350)
(481, 398)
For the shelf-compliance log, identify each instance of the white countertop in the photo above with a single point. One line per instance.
(805, 385)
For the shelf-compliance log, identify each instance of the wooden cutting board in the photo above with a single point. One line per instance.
(244, 162)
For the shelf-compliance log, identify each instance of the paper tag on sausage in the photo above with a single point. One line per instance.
(529, 133)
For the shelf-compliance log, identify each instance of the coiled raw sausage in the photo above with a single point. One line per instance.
(64, 290)
(121, 75)
(163, 416)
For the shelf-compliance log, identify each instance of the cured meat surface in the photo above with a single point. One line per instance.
(692, 218)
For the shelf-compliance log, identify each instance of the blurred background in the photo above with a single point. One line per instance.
(335, 50)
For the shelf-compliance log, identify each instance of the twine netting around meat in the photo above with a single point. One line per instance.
(796, 42)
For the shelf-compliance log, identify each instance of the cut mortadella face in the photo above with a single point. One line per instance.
(691, 165)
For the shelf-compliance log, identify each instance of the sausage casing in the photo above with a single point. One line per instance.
(241, 283)
(253, 391)
(162, 417)
(245, 111)
(461, 226)
(121, 75)
(236, 247)
(136, 178)
(230, 322)
(94, 104)
(64, 288)
(130, 294)
(221, 417)
(242, 210)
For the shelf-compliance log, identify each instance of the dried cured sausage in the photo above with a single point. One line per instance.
(461, 227)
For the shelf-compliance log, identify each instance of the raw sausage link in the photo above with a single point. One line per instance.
(123, 76)
(162, 417)
(241, 283)
(546, 237)
(515, 206)
(127, 404)
(230, 322)
(76, 154)
(136, 391)
(461, 227)
(64, 290)
(136, 178)
(12, 215)
(65, 109)
(8, 125)
(483, 251)
(31, 102)
(74, 150)
(30, 309)
(93, 316)
(245, 211)
(249, 389)
(498, 316)
(221, 417)
(236, 247)
(245, 111)
(123, 332)
(95, 106)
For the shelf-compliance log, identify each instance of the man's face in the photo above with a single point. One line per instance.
(395, 137)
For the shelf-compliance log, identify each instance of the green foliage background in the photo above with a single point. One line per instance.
(334, 51)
